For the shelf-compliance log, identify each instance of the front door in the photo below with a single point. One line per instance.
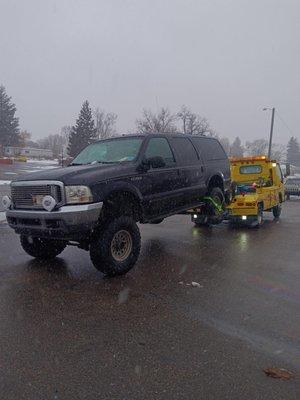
(159, 186)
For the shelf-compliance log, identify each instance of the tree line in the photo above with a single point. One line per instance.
(97, 124)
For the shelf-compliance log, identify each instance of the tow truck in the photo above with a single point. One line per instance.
(258, 186)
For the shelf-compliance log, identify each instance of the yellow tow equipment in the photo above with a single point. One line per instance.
(258, 187)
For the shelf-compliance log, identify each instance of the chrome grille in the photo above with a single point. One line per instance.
(23, 195)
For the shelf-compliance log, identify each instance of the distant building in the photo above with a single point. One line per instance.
(10, 151)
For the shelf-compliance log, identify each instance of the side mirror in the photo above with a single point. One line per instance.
(152, 162)
(156, 162)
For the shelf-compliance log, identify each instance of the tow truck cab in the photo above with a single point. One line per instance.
(258, 187)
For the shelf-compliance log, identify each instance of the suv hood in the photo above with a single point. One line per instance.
(80, 174)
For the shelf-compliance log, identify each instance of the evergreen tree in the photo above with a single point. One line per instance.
(9, 124)
(293, 152)
(236, 149)
(83, 133)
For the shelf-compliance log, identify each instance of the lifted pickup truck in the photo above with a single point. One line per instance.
(96, 202)
(258, 187)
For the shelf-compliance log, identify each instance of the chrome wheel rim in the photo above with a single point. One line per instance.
(121, 245)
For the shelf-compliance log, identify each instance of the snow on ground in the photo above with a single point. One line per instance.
(2, 216)
(5, 182)
(43, 162)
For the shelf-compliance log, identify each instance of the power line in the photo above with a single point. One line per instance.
(286, 125)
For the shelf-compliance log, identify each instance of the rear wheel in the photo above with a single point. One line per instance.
(277, 211)
(115, 249)
(42, 248)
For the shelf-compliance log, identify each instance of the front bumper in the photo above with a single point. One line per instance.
(68, 222)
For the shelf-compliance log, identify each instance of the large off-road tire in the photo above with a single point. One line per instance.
(277, 211)
(42, 248)
(115, 248)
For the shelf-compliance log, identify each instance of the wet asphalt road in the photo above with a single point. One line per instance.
(68, 333)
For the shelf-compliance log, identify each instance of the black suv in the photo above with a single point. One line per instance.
(111, 185)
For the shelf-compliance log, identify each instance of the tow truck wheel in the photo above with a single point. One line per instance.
(201, 220)
(260, 217)
(277, 211)
(42, 248)
(216, 217)
(115, 248)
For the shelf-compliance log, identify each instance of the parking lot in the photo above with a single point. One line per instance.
(202, 314)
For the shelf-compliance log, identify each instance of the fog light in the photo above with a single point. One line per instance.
(195, 216)
(48, 203)
(6, 202)
(244, 217)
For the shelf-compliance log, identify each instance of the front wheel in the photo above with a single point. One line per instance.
(115, 249)
(260, 216)
(277, 211)
(42, 248)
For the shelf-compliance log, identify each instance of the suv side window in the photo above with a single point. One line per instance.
(160, 147)
(185, 150)
(210, 149)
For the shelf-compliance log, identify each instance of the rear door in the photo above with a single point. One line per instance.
(191, 170)
(214, 157)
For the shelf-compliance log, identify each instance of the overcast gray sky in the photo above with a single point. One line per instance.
(224, 59)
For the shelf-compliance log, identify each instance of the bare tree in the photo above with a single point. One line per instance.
(225, 144)
(193, 124)
(54, 142)
(256, 147)
(65, 132)
(278, 152)
(161, 122)
(24, 138)
(105, 123)
(236, 149)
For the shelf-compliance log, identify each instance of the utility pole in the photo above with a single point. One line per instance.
(271, 133)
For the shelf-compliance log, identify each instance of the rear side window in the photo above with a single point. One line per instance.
(160, 147)
(250, 169)
(185, 150)
(210, 149)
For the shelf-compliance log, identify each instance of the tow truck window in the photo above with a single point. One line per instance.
(250, 169)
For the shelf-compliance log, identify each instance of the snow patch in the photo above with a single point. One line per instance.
(44, 162)
(2, 216)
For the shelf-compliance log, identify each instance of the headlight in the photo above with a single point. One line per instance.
(78, 194)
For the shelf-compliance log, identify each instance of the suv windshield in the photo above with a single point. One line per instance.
(109, 151)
